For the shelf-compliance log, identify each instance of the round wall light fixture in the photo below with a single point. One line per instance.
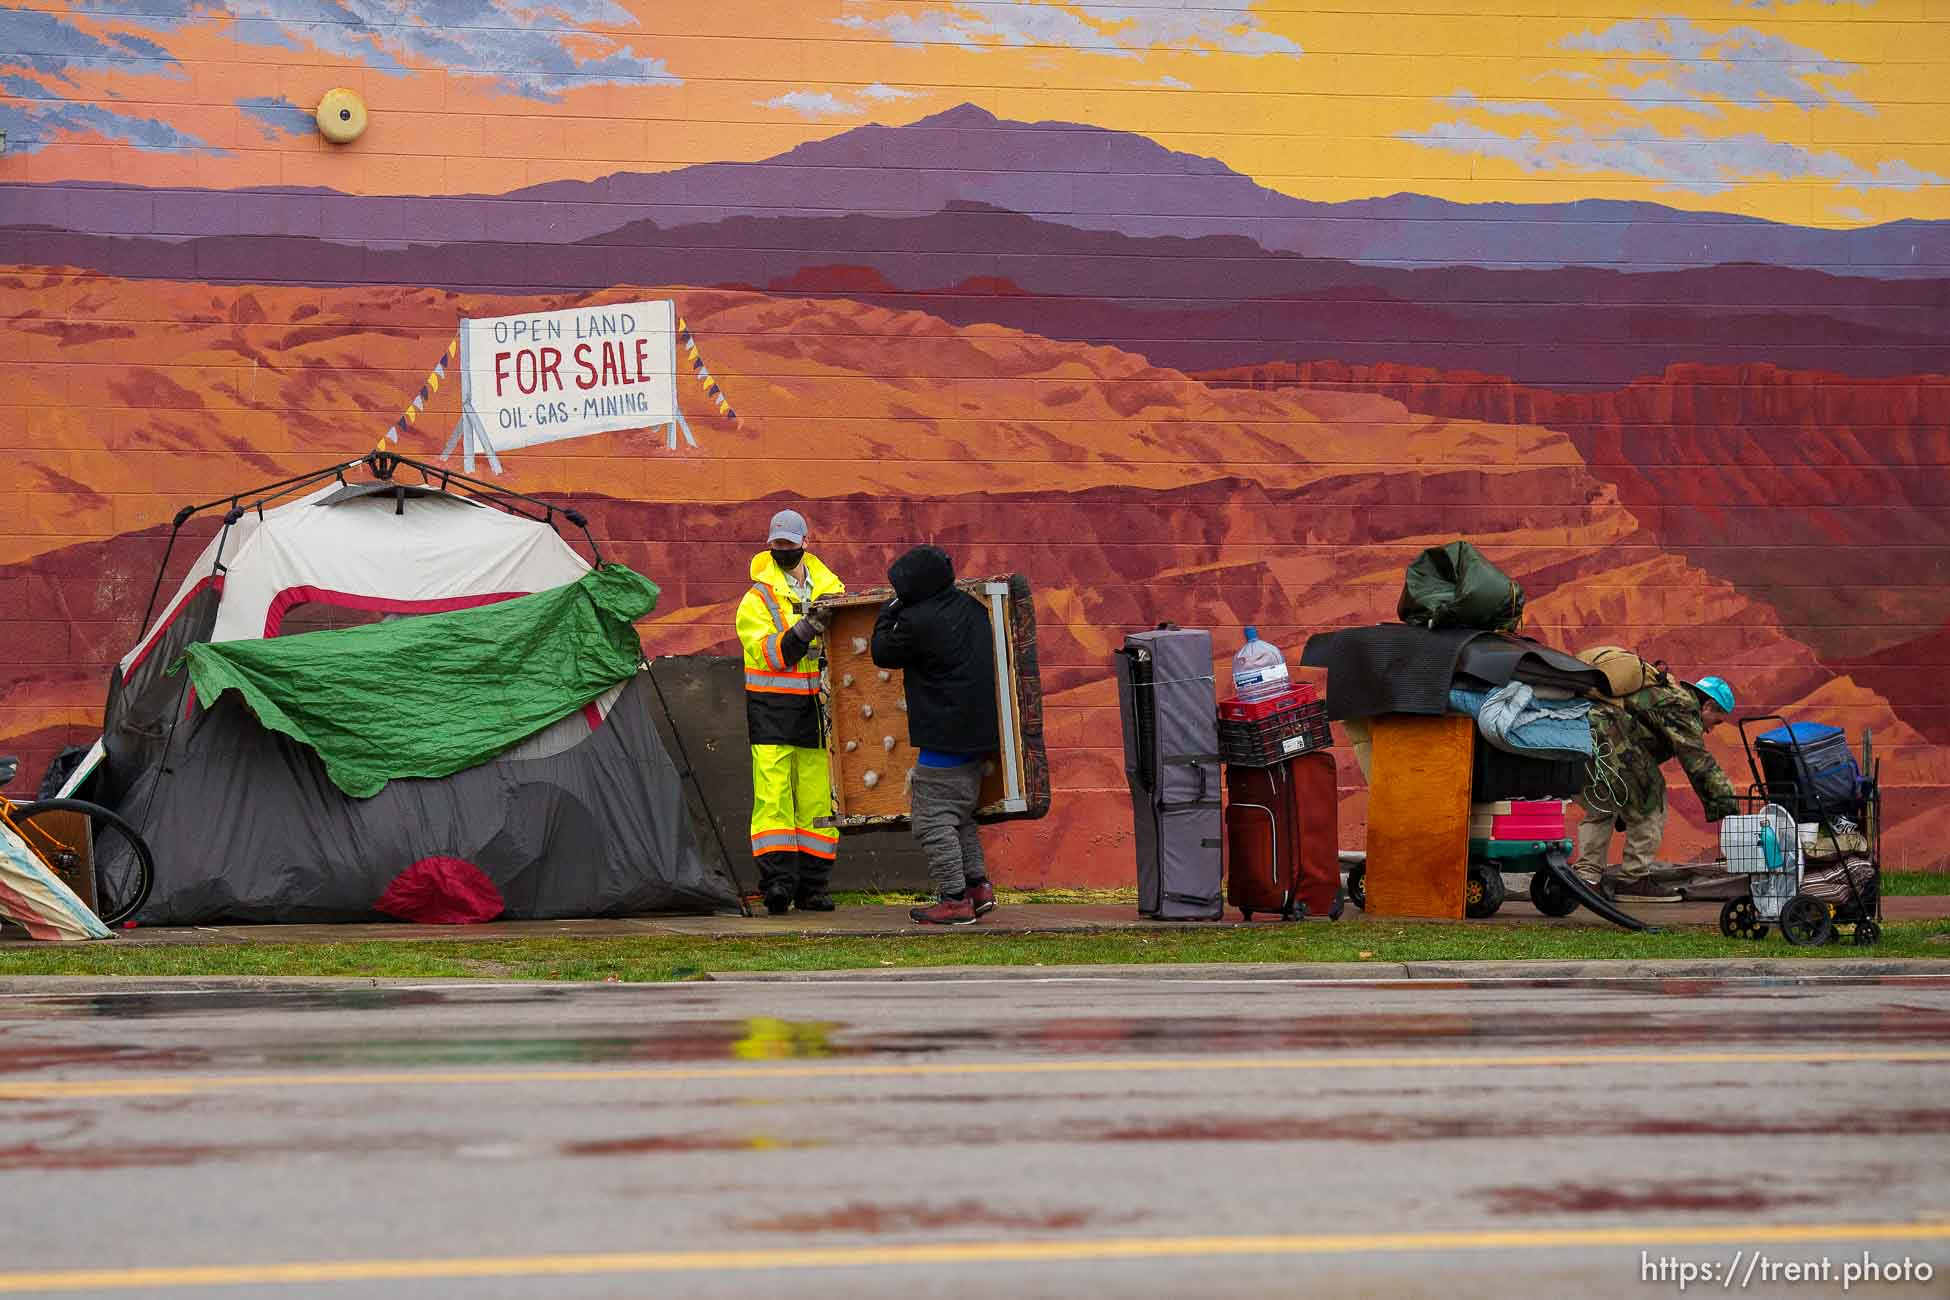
(341, 116)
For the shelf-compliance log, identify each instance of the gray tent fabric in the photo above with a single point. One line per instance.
(246, 826)
(144, 704)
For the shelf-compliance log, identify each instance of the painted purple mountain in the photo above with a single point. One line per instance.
(1066, 174)
(1190, 303)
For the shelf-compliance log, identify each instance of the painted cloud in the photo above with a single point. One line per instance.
(1648, 69)
(1701, 68)
(839, 102)
(1123, 30)
(279, 115)
(1703, 164)
(516, 48)
(519, 49)
(40, 53)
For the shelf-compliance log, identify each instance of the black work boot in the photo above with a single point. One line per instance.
(811, 895)
(778, 876)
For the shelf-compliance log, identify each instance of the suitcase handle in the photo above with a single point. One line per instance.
(1198, 763)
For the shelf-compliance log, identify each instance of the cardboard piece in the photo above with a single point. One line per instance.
(699, 708)
(51, 833)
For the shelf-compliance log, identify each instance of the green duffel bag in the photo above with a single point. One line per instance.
(1454, 586)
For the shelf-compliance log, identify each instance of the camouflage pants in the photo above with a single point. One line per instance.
(1644, 833)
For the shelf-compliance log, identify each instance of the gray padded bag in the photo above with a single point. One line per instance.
(1169, 710)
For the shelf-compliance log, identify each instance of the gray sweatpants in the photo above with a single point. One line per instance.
(942, 811)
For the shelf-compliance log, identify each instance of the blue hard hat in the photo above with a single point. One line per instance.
(1716, 690)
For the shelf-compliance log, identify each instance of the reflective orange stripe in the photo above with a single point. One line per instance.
(774, 841)
(819, 844)
(782, 683)
(769, 647)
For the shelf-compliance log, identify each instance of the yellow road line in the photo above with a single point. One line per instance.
(988, 1252)
(186, 1084)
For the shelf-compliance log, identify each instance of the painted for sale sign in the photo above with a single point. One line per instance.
(547, 376)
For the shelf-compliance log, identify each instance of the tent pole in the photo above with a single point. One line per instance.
(690, 774)
(182, 517)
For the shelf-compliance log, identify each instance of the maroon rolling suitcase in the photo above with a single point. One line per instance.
(1282, 841)
(1316, 819)
(1258, 877)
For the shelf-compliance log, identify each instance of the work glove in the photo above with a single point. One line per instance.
(808, 629)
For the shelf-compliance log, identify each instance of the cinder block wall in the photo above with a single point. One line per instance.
(1214, 315)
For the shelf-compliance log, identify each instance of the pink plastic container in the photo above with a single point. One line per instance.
(1530, 819)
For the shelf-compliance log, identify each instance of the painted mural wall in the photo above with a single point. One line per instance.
(1212, 312)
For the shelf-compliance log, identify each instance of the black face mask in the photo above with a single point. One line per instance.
(787, 558)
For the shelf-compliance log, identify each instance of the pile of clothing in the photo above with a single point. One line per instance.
(1531, 703)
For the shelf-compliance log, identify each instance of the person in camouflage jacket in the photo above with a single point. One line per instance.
(1667, 719)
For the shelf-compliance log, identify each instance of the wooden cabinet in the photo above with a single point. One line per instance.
(866, 718)
(1418, 814)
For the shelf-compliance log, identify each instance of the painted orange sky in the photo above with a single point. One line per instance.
(1818, 112)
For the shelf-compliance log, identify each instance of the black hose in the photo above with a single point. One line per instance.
(1559, 866)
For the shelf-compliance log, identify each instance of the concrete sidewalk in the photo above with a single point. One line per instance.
(1531, 973)
(880, 920)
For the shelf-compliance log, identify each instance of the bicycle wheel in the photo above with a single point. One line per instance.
(124, 869)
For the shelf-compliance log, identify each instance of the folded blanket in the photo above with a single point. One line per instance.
(1515, 721)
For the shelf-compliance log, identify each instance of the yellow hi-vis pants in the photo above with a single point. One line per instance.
(791, 788)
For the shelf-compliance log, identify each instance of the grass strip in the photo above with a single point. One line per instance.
(677, 957)
(1916, 884)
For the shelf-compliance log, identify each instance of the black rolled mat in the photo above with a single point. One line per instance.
(1389, 668)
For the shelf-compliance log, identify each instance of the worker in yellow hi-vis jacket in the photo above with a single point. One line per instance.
(791, 786)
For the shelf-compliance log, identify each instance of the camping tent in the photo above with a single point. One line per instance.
(584, 817)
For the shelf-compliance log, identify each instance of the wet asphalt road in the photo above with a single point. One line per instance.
(975, 1138)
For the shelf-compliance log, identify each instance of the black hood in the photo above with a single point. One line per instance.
(921, 573)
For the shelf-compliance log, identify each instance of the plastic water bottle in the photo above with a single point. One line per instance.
(1258, 670)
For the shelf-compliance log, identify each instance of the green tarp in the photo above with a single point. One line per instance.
(431, 695)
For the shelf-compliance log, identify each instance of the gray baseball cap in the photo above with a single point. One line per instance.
(788, 526)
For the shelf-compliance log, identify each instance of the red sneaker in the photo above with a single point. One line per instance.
(981, 896)
(948, 911)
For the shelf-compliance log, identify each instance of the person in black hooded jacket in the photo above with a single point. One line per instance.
(940, 637)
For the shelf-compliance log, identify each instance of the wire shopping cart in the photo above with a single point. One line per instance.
(1817, 801)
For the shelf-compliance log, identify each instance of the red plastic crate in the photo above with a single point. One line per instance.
(1299, 728)
(1254, 710)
